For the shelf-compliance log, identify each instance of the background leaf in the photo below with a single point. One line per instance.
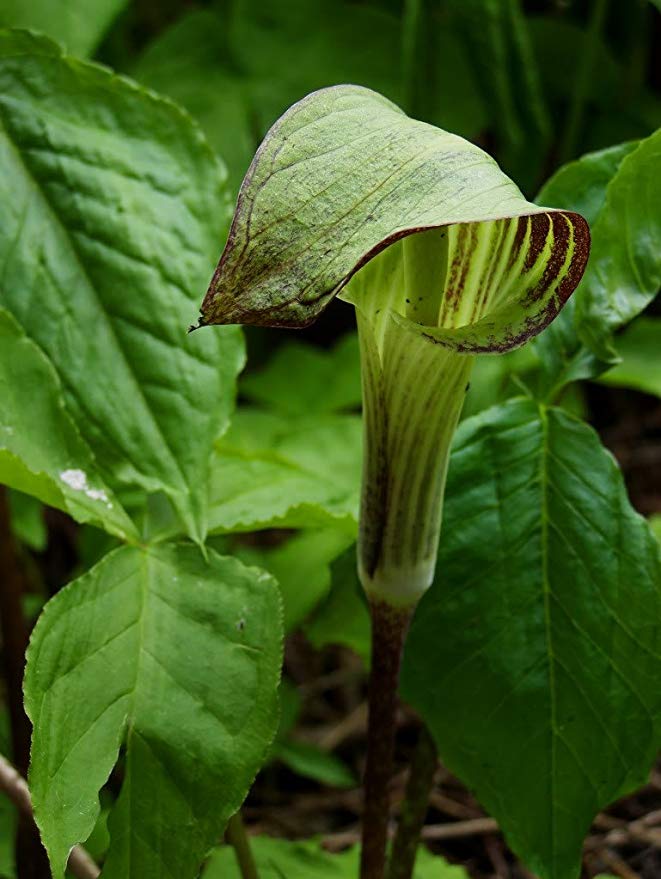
(336, 42)
(638, 347)
(27, 520)
(496, 33)
(41, 451)
(193, 63)
(112, 210)
(303, 380)
(343, 618)
(535, 657)
(625, 263)
(310, 761)
(301, 567)
(273, 470)
(78, 24)
(580, 185)
(278, 858)
(175, 656)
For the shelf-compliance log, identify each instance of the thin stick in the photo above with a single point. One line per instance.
(389, 628)
(414, 807)
(236, 836)
(457, 829)
(431, 832)
(15, 788)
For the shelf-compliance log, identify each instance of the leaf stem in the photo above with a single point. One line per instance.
(238, 838)
(414, 807)
(389, 627)
(583, 77)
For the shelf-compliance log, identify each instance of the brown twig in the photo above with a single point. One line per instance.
(432, 832)
(353, 724)
(615, 863)
(15, 788)
(457, 829)
(452, 807)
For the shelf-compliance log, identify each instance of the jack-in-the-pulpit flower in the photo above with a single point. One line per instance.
(443, 259)
(441, 256)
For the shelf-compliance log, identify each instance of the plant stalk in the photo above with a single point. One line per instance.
(414, 807)
(389, 627)
(238, 838)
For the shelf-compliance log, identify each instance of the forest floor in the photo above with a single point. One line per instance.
(624, 841)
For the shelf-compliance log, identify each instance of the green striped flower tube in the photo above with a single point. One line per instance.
(443, 260)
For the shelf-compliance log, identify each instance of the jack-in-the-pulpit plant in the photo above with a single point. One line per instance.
(443, 259)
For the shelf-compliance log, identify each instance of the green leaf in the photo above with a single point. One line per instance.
(557, 44)
(581, 186)
(78, 24)
(496, 379)
(438, 77)
(274, 470)
(336, 41)
(638, 348)
(179, 659)
(655, 524)
(7, 837)
(342, 175)
(221, 68)
(112, 206)
(290, 708)
(301, 567)
(281, 859)
(303, 380)
(27, 520)
(41, 451)
(496, 33)
(343, 618)
(191, 63)
(625, 265)
(535, 656)
(312, 762)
